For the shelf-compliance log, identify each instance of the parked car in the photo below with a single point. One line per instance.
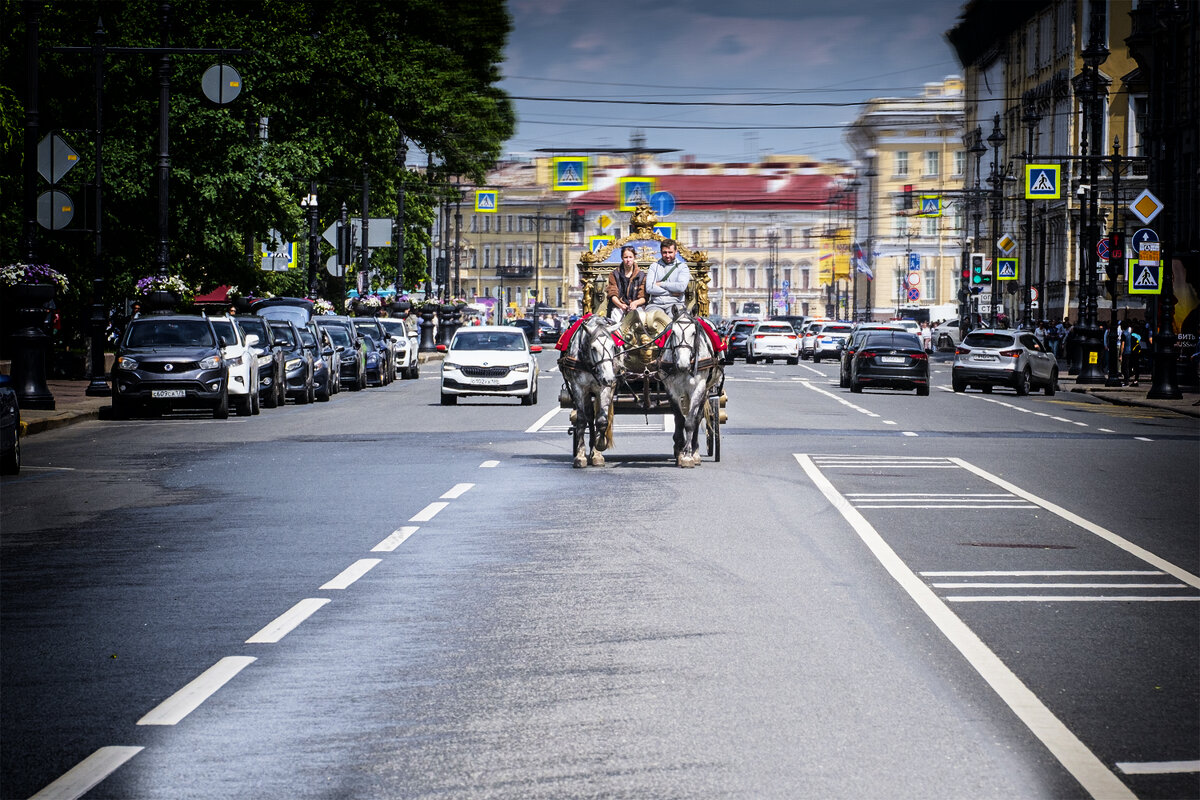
(352, 350)
(10, 428)
(995, 357)
(376, 364)
(405, 344)
(795, 320)
(383, 343)
(272, 388)
(852, 344)
(489, 361)
(243, 366)
(325, 359)
(291, 309)
(808, 336)
(735, 343)
(772, 340)
(892, 360)
(167, 362)
(298, 362)
(529, 326)
(830, 340)
(947, 335)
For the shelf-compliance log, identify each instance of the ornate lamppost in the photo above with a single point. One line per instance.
(309, 204)
(996, 139)
(1031, 120)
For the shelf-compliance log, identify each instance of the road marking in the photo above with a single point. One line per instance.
(1103, 533)
(1096, 778)
(889, 422)
(888, 462)
(189, 698)
(842, 400)
(428, 512)
(489, 464)
(458, 490)
(79, 779)
(1051, 598)
(286, 622)
(1051, 573)
(1059, 585)
(1157, 767)
(351, 573)
(396, 539)
(1142, 439)
(1106, 430)
(549, 415)
(908, 433)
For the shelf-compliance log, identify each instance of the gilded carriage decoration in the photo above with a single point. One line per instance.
(595, 267)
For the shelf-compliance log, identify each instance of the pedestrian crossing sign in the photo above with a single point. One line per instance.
(1043, 181)
(1144, 279)
(486, 200)
(668, 230)
(931, 206)
(1006, 269)
(632, 192)
(597, 243)
(570, 173)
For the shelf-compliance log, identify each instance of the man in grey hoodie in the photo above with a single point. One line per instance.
(667, 279)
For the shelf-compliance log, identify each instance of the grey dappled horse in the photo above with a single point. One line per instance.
(589, 368)
(689, 369)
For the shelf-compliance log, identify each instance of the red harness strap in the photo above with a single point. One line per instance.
(564, 341)
(717, 344)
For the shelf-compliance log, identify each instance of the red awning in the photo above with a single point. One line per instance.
(217, 295)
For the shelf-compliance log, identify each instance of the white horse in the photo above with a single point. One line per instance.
(689, 369)
(589, 368)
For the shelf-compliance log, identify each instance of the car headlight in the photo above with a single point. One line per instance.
(236, 361)
(521, 368)
(125, 362)
(293, 363)
(212, 362)
(451, 365)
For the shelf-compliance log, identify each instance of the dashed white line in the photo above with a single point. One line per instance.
(189, 698)
(1029, 573)
(396, 539)
(1059, 586)
(79, 779)
(1066, 598)
(458, 490)
(549, 415)
(286, 622)
(351, 573)
(489, 464)
(1142, 439)
(908, 433)
(428, 512)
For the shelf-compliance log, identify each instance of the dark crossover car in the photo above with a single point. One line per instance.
(386, 368)
(10, 428)
(851, 346)
(352, 350)
(325, 360)
(736, 344)
(166, 362)
(1018, 359)
(891, 360)
(297, 362)
(272, 386)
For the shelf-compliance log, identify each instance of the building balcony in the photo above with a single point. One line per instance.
(514, 271)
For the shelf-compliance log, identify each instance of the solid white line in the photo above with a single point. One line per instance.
(489, 464)
(1051, 598)
(189, 698)
(988, 573)
(428, 512)
(396, 539)
(352, 573)
(286, 622)
(964, 495)
(1096, 778)
(892, 466)
(549, 415)
(1103, 533)
(457, 491)
(947, 505)
(1059, 586)
(1142, 439)
(1157, 767)
(79, 779)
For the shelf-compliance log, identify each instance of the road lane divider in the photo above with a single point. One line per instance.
(202, 687)
(489, 464)
(350, 574)
(428, 512)
(395, 539)
(545, 418)
(286, 622)
(83, 777)
(457, 491)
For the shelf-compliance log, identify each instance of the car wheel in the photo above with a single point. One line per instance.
(986, 388)
(751, 360)
(312, 390)
(959, 386)
(221, 409)
(272, 398)
(1051, 387)
(11, 463)
(922, 391)
(120, 408)
(452, 399)
(816, 358)
(281, 391)
(243, 405)
(855, 387)
(843, 381)
(1023, 380)
(255, 404)
(793, 361)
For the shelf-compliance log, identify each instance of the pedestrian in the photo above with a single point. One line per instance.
(926, 337)
(1131, 354)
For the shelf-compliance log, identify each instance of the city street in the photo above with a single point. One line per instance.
(872, 595)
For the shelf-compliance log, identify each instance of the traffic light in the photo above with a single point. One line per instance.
(1116, 253)
(345, 245)
(908, 195)
(977, 276)
(576, 220)
(965, 274)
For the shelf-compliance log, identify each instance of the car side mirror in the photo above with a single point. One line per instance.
(251, 339)
(441, 348)
(341, 348)
(536, 348)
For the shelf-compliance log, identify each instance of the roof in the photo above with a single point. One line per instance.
(693, 192)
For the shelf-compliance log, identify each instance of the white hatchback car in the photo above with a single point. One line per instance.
(404, 345)
(490, 361)
(242, 363)
(771, 340)
(830, 339)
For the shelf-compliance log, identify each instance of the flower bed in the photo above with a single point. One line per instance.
(33, 274)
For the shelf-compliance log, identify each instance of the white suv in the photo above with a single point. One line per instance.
(242, 363)
(404, 345)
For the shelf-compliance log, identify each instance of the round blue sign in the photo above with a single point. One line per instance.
(663, 203)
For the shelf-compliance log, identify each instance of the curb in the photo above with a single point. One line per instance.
(1117, 400)
(60, 420)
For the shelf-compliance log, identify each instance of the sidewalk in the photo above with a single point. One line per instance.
(1133, 396)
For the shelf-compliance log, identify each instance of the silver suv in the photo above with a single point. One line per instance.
(988, 358)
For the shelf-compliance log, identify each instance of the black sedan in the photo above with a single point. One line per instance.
(10, 428)
(352, 350)
(891, 360)
(166, 362)
(299, 369)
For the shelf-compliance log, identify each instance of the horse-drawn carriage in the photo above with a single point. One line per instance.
(653, 363)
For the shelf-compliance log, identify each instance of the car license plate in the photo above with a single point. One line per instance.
(487, 381)
(891, 359)
(165, 394)
(983, 358)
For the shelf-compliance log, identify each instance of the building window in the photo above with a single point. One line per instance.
(787, 237)
(733, 237)
(752, 237)
(510, 223)
(960, 162)
(805, 275)
(474, 261)
(751, 278)
(929, 286)
(510, 255)
(807, 238)
(474, 223)
(901, 162)
(930, 226)
(714, 237)
(787, 277)
(933, 162)
(487, 258)
(733, 278)
(694, 238)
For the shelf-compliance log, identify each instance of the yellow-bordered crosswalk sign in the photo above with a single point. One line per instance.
(931, 205)
(486, 200)
(1007, 269)
(1043, 181)
(1145, 279)
(570, 173)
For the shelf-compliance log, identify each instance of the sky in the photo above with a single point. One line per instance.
(842, 52)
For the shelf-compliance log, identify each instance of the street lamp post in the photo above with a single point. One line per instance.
(1031, 120)
(869, 253)
(996, 139)
(1114, 354)
(309, 204)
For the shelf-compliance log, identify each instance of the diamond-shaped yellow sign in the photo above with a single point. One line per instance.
(1146, 206)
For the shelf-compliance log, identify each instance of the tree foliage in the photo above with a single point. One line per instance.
(328, 90)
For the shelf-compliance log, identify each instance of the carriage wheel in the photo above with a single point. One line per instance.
(712, 421)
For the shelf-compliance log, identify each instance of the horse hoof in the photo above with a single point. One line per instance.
(597, 460)
(579, 463)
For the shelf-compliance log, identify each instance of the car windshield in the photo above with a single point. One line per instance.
(295, 314)
(488, 340)
(170, 333)
(225, 332)
(306, 336)
(991, 340)
(283, 335)
(837, 329)
(892, 339)
(254, 325)
(743, 327)
(365, 326)
(774, 330)
(338, 334)
(394, 327)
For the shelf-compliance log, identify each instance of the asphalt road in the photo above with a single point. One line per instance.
(869, 596)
